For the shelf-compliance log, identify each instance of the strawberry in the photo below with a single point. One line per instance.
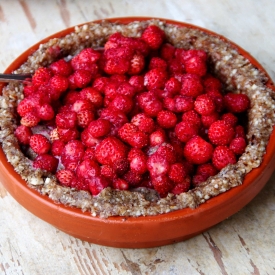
(97, 184)
(73, 152)
(238, 145)
(221, 133)
(99, 128)
(29, 90)
(100, 83)
(84, 118)
(45, 112)
(191, 85)
(157, 165)
(182, 187)
(120, 184)
(46, 162)
(59, 83)
(88, 55)
(166, 119)
(89, 153)
(218, 99)
(137, 64)
(121, 166)
(167, 51)
(110, 150)
(211, 83)
(183, 103)
(207, 170)
(81, 105)
(25, 106)
(108, 172)
(92, 95)
(88, 169)
(187, 55)
(157, 62)
(66, 120)
(61, 67)
(30, 119)
(23, 134)
(155, 79)
(222, 156)
(236, 103)
(152, 108)
(209, 119)
(126, 89)
(88, 140)
(177, 172)
(198, 179)
(168, 152)
(81, 78)
(153, 36)
(80, 184)
(172, 86)
(122, 103)
(133, 178)
(57, 147)
(162, 184)
(144, 123)
(195, 65)
(230, 119)
(204, 105)
(157, 137)
(185, 130)
(65, 177)
(40, 144)
(67, 134)
(138, 163)
(175, 67)
(137, 82)
(41, 76)
(239, 131)
(197, 150)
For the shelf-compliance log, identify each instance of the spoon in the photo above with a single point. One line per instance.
(15, 77)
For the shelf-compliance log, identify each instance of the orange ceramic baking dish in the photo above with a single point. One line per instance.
(138, 232)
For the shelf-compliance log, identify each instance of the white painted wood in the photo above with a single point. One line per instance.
(242, 244)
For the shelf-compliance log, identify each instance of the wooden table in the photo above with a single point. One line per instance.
(242, 244)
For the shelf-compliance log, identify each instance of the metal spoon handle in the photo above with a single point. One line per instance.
(17, 77)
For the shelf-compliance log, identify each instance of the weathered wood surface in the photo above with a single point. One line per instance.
(242, 244)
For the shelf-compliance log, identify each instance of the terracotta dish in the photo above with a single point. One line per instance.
(139, 232)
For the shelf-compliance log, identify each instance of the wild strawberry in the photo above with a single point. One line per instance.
(155, 79)
(97, 184)
(122, 103)
(92, 95)
(99, 128)
(204, 105)
(88, 140)
(120, 184)
(41, 76)
(88, 169)
(67, 134)
(239, 131)
(72, 83)
(167, 51)
(59, 83)
(157, 137)
(236, 103)
(172, 86)
(221, 133)
(182, 187)
(191, 85)
(27, 105)
(152, 108)
(137, 64)
(110, 150)
(84, 118)
(197, 150)
(137, 82)
(209, 119)
(168, 152)
(100, 83)
(89, 55)
(162, 184)
(144, 123)
(45, 112)
(40, 144)
(177, 172)
(65, 177)
(81, 105)
(186, 55)
(138, 163)
(198, 179)
(46, 162)
(82, 78)
(169, 104)
(238, 145)
(183, 103)
(195, 65)
(230, 119)
(157, 62)
(89, 153)
(185, 130)
(121, 166)
(211, 83)
(23, 134)
(30, 119)
(206, 169)
(126, 89)
(80, 184)
(108, 172)
(175, 67)
(153, 36)
(61, 67)
(116, 118)
(57, 147)
(222, 156)
(157, 165)
(218, 99)
(73, 151)
(133, 178)
(166, 119)
(54, 134)
(29, 90)
(66, 119)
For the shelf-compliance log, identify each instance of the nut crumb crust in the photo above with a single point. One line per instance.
(235, 71)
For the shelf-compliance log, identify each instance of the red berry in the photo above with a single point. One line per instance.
(155, 79)
(238, 145)
(218, 99)
(167, 51)
(236, 103)
(41, 76)
(157, 137)
(204, 105)
(30, 119)
(221, 133)
(81, 105)
(88, 140)
(172, 86)
(183, 103)
(181, 187)
(57, 147)
(61, 67)
(138, 163)
(185, 130)
(157, 165)
(88, 169)
(207, 170)
(191, 85)
(100, 83)
(67, 134)
(166, 119)
(65, 177)
(84, 118)
(97, 184)
(82, 78)
(177, 172)
(23, 134)
(108, 172)
(66, 119)
(162, 184)
(137, 64)
(122, 103)
(230, 119)
(40, 144)
(209, 119)
(46, 162)
(110, 150)
(153, 36)
(197, 150)
(27, 105)
(175, 67)
(192, 117)
(222, 156)
(73, 152)
(80, 184)
(211, 83)
(144, 123)
(157, 62)
(99, 128)
(137, 82)
(59, 83)
(120, 184)
(133, 178)
(168, 152)
(92, 95)
(240, 132)
(29, 90)
(45, 112)
(186, 55)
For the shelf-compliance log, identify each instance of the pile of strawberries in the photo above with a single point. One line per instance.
(139, 112)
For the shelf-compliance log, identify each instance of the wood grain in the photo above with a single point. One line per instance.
(242, 244)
